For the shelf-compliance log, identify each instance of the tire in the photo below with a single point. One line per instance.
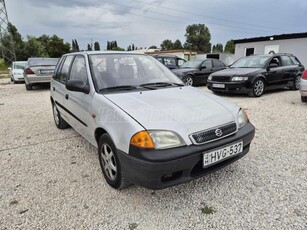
(28, 87)
(296, 83)
(58, 120)
(304, 99)
(109, 163)
(257, 88)
(188, 80)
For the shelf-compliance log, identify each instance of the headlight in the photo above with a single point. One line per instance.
(242, 118)
(210, 78)
(158, 139)
(239, 79)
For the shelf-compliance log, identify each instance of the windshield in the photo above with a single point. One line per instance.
(19, 65)
(43, 61)
(126, 70)
(251, 62)
(191, 64)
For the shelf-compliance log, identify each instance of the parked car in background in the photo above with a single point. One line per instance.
(16, 71)
(255, 74)
(303, 86)
(146, 124)
(196, 72)
(170, 61)
(38, 71)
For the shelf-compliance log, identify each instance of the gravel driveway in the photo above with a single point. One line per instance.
(51, 179)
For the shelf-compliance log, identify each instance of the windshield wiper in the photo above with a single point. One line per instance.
(154, 85)
(121, 87)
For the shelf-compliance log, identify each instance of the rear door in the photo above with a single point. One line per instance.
(78, 104)
(218, 65)
(290, 69)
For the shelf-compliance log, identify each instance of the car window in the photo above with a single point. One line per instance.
(78, 70)
(160, 59)
(295, 60)
(169, 61)
(251, 62)
(180, 62)
(207, 64)
(42, 61)
(217, 63)
(276, 60)
(58, 68)
(286, 61)
(119, 70)
(19, 65)
(62, 75)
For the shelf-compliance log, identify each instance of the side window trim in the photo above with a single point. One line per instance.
(59, 68)
(71, 65)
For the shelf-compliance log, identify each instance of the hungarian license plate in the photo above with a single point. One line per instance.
(46, 71)
(221, 86)
(222, 154)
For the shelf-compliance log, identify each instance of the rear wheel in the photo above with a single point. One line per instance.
(258, 88)
(296, 83)
(28, 87)
(304, 99)
(109, 162)
(188, 80)
(58, 120)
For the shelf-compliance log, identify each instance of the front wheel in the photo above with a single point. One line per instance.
(304, 99)
(296, 83)
(258, 88)
(109, 162)
(188, 80)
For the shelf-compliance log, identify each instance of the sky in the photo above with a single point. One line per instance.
(148, 22)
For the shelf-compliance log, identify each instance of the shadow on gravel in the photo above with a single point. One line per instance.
(41, 87)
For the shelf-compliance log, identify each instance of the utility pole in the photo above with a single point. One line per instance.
(6, 39)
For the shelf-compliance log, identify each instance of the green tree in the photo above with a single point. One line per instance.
(129, 48)
(34, 48)
(133, 48)
(218, 48)
(56, 47)
(167, 44)
(177, 45)
(198, 38)
(230, 47)
(89, 47)
(96, 46)
(153, 47)
(77, 45)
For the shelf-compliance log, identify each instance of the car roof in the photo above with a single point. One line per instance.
(105, 52)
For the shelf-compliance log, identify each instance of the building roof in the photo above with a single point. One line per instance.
(272, 37)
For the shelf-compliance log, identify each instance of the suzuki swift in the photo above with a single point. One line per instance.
(149, 128)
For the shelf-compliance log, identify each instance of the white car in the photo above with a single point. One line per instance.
(303, 86)
(16, 71)
(150, 129)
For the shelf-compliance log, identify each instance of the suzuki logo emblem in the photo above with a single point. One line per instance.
(218, 132)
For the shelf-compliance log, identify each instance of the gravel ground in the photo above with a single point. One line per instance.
(51, 179)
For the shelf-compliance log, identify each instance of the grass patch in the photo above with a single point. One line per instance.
(207, 210)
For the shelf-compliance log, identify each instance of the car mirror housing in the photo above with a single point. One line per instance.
(77, 86)
(273, 65)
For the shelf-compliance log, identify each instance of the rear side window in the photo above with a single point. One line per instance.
(207, 64)
(63, 72)
(295, 60)
(78, 70)
(286, 61)
(181, 62)
(169, 61)
(217, 63)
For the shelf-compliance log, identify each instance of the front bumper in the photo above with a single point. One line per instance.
(158, 169)
(231, 87)
(18, 77)
(303, 88)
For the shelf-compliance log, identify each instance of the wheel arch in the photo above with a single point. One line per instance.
(98, 133)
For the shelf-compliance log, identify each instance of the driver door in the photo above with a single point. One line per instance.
(275, 72)
(206, 69)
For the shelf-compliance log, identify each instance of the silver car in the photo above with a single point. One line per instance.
(150, 129)
(38, 71)
(303, 86)
(16, 71)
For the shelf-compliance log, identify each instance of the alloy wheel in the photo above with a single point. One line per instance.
(56, 115)
(109, 161)
(189, 81)
(297, 82)
(258, 87)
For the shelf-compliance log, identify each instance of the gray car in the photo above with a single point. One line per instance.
(150, 129)
(39, 71)
(303, 86)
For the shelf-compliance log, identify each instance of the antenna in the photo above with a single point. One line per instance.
(6, 39)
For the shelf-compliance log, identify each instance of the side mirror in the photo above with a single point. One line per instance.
(77, 86)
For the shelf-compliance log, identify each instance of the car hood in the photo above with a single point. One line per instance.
(17, 71)
(184, 110)
(236, 71)
(183, 71)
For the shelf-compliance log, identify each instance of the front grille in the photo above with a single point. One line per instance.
(221, 78)
(213, 134)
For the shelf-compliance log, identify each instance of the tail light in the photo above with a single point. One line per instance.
(304, 75)
(29, 71)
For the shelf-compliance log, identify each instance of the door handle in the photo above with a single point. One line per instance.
(66, 96)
